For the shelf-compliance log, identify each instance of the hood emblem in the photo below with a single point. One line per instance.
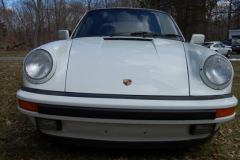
(127, 82)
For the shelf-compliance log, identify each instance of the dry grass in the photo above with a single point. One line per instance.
(13, 53)
(20, 140)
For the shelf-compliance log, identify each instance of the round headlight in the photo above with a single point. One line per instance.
(216, 72)
(38, 64)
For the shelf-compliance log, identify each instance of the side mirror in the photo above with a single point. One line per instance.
(63, 34)
(197, 39)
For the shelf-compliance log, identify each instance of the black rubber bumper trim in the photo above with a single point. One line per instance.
(130, 114)
(121, 96)
(127, 144)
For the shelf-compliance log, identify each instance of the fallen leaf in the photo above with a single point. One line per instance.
(215, 155)
(8, 122)
(229, 131)
(223, 156)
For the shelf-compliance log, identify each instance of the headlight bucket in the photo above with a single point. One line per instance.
(216, 71)
(39, 66)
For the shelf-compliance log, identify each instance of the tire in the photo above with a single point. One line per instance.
(228, 54)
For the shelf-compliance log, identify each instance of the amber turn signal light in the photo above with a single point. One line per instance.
(225, 112)
(30, 106)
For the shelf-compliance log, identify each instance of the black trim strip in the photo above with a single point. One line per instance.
(127, 144)
(130, 114)
(121, 96)
(128, 39)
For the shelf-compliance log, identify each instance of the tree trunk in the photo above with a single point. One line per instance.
(36, 29)
(49, 24)
(186, 19)
(8, 21)
(106, 3)
(56, 19)
(237, 20)
(229, 17)
(89, 5)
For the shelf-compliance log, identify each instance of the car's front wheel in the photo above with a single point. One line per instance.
(228, 54)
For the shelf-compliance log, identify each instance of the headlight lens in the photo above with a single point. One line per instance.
(218, 71)
(38, 64)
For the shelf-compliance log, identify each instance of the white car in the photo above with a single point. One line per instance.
(127, 78)
(219, 47)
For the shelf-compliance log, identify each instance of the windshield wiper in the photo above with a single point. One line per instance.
(144, 34)
(171, 35)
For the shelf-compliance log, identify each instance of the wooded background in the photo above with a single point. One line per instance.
(35, 22)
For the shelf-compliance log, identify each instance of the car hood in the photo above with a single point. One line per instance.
(100, 65)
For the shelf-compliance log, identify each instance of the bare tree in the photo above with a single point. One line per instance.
(6, 17)
(26, 20)
(36, 5)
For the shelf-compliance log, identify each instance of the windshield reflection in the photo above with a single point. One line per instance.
(124, 22)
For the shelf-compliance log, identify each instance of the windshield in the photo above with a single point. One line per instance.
(124, 22)
(236, 41)
(227, 42)
(207, 44)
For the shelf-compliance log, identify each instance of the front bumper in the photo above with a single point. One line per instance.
(130, 102)
(115, 126)
(128, 144)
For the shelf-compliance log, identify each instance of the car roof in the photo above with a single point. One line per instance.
(128, 8)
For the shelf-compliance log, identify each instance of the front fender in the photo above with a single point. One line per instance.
(195, 54)
(59, 50)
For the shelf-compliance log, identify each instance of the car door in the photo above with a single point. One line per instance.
(215, 47)
(220, 48)
(223, 49)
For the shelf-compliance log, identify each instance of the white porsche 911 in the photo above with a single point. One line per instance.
(219, 47)
(127, 78)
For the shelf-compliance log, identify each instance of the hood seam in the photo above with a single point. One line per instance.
(187, 68)
(67, 66)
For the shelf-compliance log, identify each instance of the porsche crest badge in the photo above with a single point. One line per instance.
(127, 82)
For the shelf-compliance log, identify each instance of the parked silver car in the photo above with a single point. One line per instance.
(219, 47)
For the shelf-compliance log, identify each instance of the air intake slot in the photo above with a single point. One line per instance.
(128, 39)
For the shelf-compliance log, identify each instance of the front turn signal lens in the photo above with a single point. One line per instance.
(30, 106)
(225, 112)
